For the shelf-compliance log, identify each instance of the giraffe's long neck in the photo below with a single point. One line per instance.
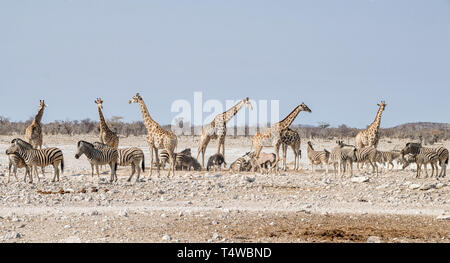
(103, 125)
(376, 123)
(284, 124)
(148, 121)
(229, 114)
(38, 117)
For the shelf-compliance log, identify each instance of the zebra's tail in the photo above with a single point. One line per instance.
(62, 166)
(143, 163)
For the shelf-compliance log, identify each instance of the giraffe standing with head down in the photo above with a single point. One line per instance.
(217, 129)
(369, 136)
(33, 133)
(157, 137)
(107, 136)
(272, 135)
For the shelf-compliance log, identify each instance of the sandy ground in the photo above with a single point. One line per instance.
(294, 206)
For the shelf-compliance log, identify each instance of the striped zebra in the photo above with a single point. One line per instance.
(183, 159)
(423, 159)
(98, 157)
(240, 165)
(386, 158)
(164, 156)
(342, 157)
(317, 157)
(15, 161)
(416, 148)
(369, 155)
(132, 156)
(34, 157)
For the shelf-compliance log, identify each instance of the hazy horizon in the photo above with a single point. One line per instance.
(339, 57)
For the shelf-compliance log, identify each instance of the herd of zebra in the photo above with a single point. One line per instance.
(21, 154)
(343, 156)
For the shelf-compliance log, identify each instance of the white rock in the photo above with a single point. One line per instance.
(72, 239)
(12, 235)
(443, 217)
(414, 186)
(373, 239)
(361, 179)
(123, 213)
(427, 186)
(167, 238)
(216, 236)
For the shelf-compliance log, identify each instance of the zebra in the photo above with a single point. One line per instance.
(215, 160)
(27, 145)
(369, 155)
(342, 157)
(164, 156)
(34, 157)
(132, 156)
(241, 164)
(317, 157)
(423, 158)
(183, 159)
(416, 148)
(98, 157)
(15, 161)
(386, 158)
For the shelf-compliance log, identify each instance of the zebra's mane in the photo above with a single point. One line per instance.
(85, 142)
(21, 142)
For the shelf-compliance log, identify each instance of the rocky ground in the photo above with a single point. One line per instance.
(221, 207)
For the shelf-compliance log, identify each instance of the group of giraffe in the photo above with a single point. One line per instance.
(277, 135)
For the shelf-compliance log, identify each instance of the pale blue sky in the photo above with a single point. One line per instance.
(339, 57)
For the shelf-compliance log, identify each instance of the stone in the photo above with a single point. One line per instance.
(166, 237)
(12, 235)
(427, 186)
(123, 213)
(361, 179)
(373, 239)
(443, 217)
(414, 186)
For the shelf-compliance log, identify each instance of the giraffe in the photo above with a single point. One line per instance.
(157, 137)
(272, 135)
(291, 138)
(217, 129)
(107, 136)
(33, 133)
(369, 136)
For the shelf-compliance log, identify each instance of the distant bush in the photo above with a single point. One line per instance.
(428, 133)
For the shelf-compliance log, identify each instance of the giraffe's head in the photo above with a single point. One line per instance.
(304, 107)
(248, 104)
(382, 105)
(99, 103)
(42, 104)
(136, 98)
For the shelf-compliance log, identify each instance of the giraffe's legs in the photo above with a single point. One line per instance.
(157, 160)
(172, 163)
(277, 154)
(151, 162)
(221, 144)
(284, 150)
(204, 141)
